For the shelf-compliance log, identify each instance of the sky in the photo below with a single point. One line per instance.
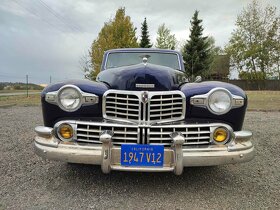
(45, 39)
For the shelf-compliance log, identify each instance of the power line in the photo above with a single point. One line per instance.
(59, 17)
(34, 13)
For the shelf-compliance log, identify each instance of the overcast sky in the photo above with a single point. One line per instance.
(47, 38)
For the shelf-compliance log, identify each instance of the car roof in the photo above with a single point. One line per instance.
(141, 50)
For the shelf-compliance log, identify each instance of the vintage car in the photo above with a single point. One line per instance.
(142, 114)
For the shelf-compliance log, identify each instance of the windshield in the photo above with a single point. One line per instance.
(119, 59)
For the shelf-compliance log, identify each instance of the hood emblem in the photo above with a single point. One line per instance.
(145, 97)
(145, 85)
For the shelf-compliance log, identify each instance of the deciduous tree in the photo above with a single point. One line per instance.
(165, 40)
(254, 44)
(117, 33)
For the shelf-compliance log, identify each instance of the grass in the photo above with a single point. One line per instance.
(20, 100)
(258, 100)
(263, 100)
(18, 91)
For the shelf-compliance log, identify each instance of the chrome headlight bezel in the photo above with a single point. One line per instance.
(204, 100)
(210, 105)
(85, 99)
(61, 91)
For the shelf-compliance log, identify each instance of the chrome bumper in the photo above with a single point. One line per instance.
(175, 158)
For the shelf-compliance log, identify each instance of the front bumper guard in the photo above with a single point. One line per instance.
(175, 158)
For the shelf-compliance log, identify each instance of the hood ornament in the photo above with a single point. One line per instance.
(145, 58)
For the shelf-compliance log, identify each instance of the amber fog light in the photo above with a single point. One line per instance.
(221, 135)
(65, 132)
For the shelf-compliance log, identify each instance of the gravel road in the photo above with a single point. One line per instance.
(28, 182)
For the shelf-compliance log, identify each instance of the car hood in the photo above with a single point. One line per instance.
(138, 77)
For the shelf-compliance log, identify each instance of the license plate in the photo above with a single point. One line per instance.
(142, 155)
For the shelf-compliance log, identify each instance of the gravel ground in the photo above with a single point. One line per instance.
(28, 182)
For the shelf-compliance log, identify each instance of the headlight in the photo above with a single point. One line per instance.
(69, 98)
(220, 101)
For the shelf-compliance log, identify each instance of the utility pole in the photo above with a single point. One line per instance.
(27, 86)
(50, 79)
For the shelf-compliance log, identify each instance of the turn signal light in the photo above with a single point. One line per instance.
(65, 131)
(220, 135)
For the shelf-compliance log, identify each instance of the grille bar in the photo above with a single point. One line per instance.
(166, 104)
(168, 99)
(163, 109)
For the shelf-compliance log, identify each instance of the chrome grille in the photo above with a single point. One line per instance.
(166, 106)
(127, 105)
(194, 135)
(122, 106)
(89, 133)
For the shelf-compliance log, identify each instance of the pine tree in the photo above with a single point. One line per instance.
(145, 40)
(196, 52)
(117, 33)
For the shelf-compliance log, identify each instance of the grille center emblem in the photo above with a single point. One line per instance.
(145, 97)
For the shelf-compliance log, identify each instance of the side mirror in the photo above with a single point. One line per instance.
(198, 79)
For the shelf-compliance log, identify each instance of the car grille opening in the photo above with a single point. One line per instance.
(194, 135)
(164, 107)
(90, 133)
(128, 105)
(122, 106)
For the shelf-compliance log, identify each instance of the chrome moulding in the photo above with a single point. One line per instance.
(140, 106)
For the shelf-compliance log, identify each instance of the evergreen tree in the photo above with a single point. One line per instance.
(145, 40)
(196, 52)
(117, 33)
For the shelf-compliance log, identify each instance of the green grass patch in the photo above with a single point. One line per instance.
(263, 100)
(20, 100)
(18, 91)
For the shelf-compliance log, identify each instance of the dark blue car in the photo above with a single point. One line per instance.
(141, 114)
